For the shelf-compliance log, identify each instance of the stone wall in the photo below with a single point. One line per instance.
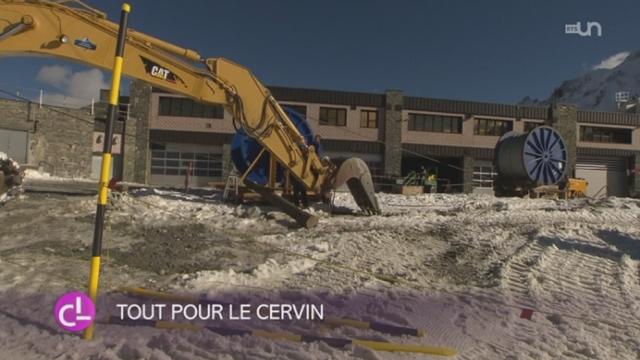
(129, 140)
(634, 189)
(564, 119)
(393, 133)
(139, 112)
(59, 139)
(467, 176)
(130, 150)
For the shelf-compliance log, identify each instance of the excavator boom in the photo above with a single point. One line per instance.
(74, 31)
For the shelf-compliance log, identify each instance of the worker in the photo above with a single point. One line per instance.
(432, 180)
(299, 193)
(421, 176)
(316, 142)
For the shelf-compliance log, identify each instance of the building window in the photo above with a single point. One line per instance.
(177, 163)
(158, 146)
(530, 125)
(300, 109)
(333, 116)
(184, 107)
(435, 123)
(605, 134)
(483, 176)
(369, 119)
(491, 127)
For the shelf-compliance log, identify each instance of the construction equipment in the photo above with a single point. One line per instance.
(72, 30)
(576, 188)
(231, 188)
(535, 164)
(528, 160)
(419, 182)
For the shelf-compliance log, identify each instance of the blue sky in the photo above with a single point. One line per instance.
(497, 51)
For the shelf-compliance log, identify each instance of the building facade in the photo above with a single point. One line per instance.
(160, 134)
(396, 134)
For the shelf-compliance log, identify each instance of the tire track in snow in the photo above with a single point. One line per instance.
(577, 278)
(630, 283)
(518, 284)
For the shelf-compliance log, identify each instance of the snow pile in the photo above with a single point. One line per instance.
(32, 174)
(460, 266)
(12, 178)
(5, 157)
(37, 176)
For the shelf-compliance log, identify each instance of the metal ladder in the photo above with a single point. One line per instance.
(231, 186)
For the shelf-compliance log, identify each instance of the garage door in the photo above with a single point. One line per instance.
(14, 144)
(606, 176)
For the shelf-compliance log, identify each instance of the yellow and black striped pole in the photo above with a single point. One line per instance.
(112, 114)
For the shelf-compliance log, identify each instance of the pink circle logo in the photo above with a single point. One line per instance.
(74, 311)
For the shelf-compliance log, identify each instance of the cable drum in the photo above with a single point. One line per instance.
(539, 156)
(244, 150)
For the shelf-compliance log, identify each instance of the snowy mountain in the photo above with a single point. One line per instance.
(596, 89)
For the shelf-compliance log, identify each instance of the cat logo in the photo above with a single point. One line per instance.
(154, 69)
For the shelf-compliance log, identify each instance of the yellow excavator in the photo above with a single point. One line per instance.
(72, 30)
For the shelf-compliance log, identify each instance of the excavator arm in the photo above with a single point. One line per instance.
(74, 31)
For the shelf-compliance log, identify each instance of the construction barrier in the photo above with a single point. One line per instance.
(376, 326)
(273, 335)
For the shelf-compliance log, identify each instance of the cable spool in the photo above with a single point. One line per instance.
(539, 156)
(244, 149)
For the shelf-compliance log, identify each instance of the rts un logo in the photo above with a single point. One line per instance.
(577, 28)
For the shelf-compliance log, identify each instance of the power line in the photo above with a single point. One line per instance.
(385, 144)
(54, 109)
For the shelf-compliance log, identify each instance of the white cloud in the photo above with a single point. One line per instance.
(85, 83)
(612, 61)
(75, 88)
(54, 75)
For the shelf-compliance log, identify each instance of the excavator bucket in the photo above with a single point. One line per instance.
(355, 173)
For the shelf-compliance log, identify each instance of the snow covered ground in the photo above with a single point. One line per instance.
(459, 266)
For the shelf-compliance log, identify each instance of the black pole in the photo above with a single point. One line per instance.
(112, 115)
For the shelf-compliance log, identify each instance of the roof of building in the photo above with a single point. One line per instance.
(327, 96)
(467, 108)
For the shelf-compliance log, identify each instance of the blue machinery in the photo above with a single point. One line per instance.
(245, 150)
(261, 173)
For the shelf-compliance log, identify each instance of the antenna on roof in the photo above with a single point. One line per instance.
(622, 97)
